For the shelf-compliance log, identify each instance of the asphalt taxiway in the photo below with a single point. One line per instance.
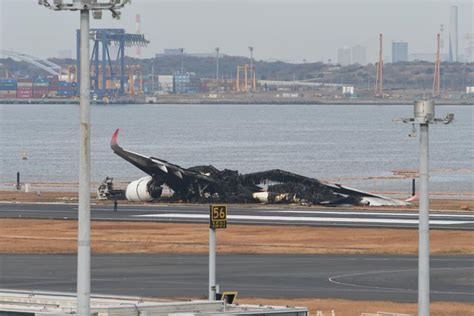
(363, 277)
(263, 215)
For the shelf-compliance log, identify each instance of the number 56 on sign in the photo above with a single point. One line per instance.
(218, 216)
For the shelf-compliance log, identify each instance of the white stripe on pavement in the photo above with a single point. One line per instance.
(304, 219)
(414, 214)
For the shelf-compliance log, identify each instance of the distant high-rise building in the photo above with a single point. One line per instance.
(399, 52)
(453, 34)
(359, 55)
(344, 56)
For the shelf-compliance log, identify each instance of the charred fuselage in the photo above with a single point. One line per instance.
(208, 184)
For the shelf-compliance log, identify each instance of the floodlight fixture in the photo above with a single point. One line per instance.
(93, 5)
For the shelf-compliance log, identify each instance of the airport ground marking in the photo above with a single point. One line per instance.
(368, 287)
(413, 214)
(304, 218)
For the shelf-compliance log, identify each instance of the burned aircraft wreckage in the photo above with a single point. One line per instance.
(206, 184)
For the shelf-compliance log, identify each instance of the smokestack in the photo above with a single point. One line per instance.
(138, 53)
(453, 34)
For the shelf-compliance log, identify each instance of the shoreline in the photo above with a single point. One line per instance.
(239, 101)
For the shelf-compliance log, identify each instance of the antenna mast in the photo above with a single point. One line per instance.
(437, 72)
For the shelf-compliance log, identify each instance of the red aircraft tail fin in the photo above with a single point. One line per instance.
(413, 198)
(113, 141)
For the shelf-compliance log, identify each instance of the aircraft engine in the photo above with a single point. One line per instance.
(143, 190)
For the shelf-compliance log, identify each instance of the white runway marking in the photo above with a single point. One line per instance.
(32, 211)
(372, 213)
(332, 279)
(304, 219)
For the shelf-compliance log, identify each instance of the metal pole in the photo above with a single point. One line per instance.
(18, 186)
(83, 240)
(212, 264)
(424, 237)
(217, 68)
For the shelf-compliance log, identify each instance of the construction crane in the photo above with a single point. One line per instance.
(109, 75)
(249, 76)
(135, 75)
(437, 71)
(379, 71)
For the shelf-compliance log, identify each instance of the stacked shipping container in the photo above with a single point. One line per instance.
(53, 87)
(36, 89)
(24, 89)
(40, 88)
(7, 89)
(66, 89)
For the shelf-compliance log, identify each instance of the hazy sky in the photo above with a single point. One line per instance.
(290, 30)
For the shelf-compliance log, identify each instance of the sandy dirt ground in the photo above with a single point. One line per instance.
(353, 308)
(71, 197)
(59, 236)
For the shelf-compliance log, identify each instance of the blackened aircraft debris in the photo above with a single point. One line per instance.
(206, 184)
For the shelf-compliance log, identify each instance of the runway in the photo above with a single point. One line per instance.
(366, 277)
(263, 215)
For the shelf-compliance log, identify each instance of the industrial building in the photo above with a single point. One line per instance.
(399, 52)
(53, 303)
(186, 83)
(165, 84)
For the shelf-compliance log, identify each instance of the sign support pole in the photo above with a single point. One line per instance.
(217, 220)
(212, 264)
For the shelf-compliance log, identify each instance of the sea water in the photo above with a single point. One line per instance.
(355, 145)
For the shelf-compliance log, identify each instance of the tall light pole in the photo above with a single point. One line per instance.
(83, 237)
(217, 68)
(424, 114)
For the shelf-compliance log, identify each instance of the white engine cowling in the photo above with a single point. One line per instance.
(137, 191)
(262, 197)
